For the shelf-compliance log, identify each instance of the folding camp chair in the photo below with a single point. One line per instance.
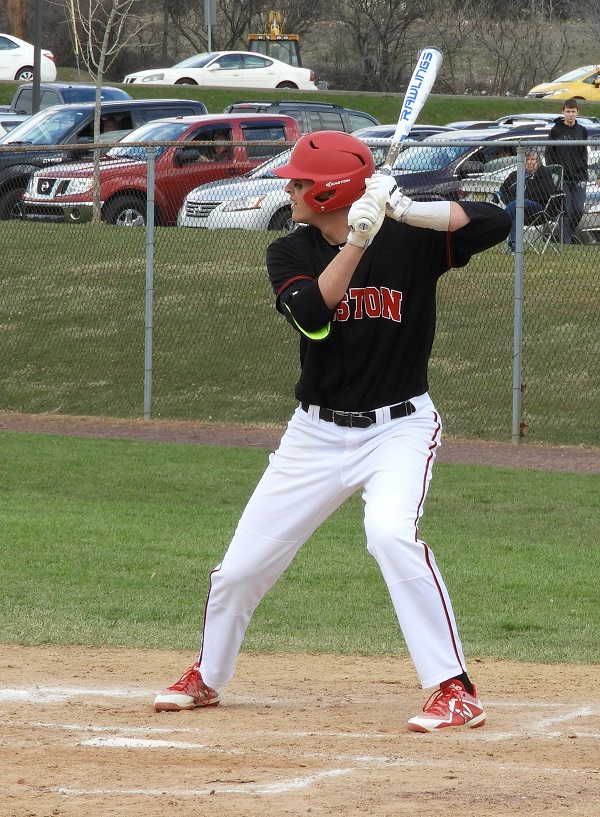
(544, 229)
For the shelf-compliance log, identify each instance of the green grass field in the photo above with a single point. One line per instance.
(439, 108)
(110, 542)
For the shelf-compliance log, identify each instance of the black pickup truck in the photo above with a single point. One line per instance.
(67, 127)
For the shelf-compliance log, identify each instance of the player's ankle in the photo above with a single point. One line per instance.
(464, 680)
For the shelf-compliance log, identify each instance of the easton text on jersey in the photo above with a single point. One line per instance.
(370, 302)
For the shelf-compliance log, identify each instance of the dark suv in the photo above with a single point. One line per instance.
(25, 148)
(62, 93)
(311, 116)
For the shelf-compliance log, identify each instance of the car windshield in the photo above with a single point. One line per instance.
(151, 132)
(428, 157)
(197, 61)
(577, 73)
(48, 127)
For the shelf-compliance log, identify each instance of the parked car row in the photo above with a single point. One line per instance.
(231, 192)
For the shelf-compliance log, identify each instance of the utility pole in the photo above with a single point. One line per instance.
(210, 20)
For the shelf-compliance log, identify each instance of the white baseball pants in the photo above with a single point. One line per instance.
(316, 467)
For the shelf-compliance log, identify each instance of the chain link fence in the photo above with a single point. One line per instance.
(178, 322)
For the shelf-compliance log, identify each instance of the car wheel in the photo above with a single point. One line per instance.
(10, 204)
(126, 211)
(288, 85)
(24, 75)
(282, 220)
(186, 81)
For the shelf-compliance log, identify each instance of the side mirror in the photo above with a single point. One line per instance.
(470, 169)
(185, 156)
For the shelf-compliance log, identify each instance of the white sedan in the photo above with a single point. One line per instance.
(255, 201)
(241, 69)
(16, 61)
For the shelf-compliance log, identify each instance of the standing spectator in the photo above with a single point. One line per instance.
(574, 161)
(539, 186)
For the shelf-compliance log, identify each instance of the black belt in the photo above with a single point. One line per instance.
(360, 419)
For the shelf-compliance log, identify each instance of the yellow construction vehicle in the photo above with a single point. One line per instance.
(274, 43)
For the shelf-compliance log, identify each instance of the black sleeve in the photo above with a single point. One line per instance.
(295, 286)
(489, 225)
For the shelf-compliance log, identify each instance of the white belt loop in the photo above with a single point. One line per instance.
(383, 414)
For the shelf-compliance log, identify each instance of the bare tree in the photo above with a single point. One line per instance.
(381, 40)
(101, 30)
(16, 11)
(518, 48)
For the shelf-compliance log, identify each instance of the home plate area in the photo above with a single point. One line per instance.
(295, 734)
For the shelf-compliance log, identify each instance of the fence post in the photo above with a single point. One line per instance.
(149, 319)
(518, 299)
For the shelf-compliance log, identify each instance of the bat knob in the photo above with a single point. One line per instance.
(363, 226)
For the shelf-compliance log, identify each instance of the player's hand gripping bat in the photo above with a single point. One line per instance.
(419, 88)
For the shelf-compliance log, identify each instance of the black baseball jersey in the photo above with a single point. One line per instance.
(377, 349)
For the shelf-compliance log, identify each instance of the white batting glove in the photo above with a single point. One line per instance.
(386, 190)
(364, 219)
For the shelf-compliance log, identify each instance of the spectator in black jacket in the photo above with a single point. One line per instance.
(574, 160)
(539, 186)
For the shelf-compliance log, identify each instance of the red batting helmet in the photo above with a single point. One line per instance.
(336, 162)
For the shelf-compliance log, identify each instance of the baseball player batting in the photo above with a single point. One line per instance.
(363, 305)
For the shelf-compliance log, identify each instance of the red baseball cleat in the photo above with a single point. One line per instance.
(186, 693)
(450, 705)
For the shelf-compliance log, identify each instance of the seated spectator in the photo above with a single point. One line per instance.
(223, 153)
(216, 153)
(539, 186)
(504, 157)
(108, 123)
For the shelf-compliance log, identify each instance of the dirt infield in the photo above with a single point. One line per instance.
(295, 734)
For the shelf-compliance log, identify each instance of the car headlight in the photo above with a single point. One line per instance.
(557, 91)
(153, 78)
(76, 187)
(246, 203)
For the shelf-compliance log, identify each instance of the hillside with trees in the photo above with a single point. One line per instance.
(496, 47)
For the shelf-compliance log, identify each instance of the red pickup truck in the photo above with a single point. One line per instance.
(65, 193)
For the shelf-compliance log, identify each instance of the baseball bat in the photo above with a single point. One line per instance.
(419, 88)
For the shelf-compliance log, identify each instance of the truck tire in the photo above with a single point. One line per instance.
(126, 211)
(10, 204)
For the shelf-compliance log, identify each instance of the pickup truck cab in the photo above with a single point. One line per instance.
(63, 133)
(201, 149)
